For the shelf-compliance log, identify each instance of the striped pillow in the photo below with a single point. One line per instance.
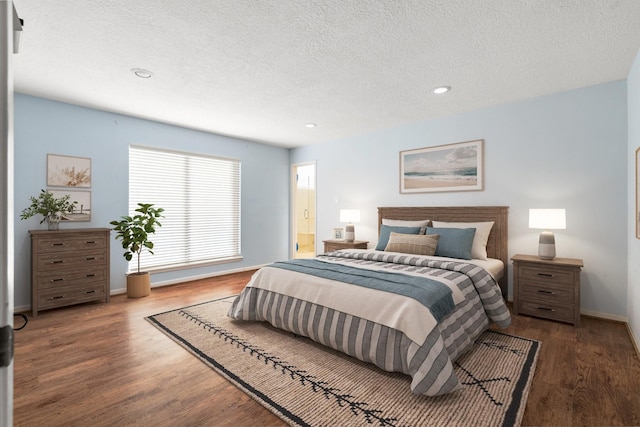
(418, 244)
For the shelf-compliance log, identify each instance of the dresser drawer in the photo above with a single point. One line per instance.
(546, 275)
(551, 311)
(71, 260)
(57, 244)
(56, 280)
(68, 296)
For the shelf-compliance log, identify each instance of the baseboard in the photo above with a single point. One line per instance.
(635, 343)
(607, 316)
(22, 309)
(202, 276)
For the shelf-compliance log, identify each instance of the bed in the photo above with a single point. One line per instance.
(396, 308)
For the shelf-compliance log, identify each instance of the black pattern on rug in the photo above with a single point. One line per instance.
(480, 383)
(358, 408)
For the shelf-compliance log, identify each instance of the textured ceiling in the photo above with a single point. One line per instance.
(262, 69)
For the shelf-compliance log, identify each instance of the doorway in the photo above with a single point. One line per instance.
(304, 210)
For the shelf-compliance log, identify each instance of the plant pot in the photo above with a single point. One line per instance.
(138, 284)
(53, 224)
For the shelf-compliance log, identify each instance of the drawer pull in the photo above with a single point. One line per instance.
(57, 280)
(57, 262)
(91, 258)
(57, 244)
(546, 292)
(56, 297)
(545, 274)
(91, 275)
(90, 292)
(546, 309)
(91, 242)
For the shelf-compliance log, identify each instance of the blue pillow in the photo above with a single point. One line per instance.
(453, 242)
(385, 232)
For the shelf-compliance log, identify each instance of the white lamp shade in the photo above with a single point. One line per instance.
(349, 215)
(547, 219)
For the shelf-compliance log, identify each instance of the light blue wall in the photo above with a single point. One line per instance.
(633, 88)
(567, 150)
(44, 126)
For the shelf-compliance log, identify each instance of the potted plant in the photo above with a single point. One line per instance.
(135, 232)
(50, 207)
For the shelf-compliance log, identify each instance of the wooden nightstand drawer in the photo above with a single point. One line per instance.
(336, 245)
(547, 275)
(547, 288)
(562, 313)
(551, 294)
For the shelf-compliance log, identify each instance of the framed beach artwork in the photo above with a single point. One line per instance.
(68, 171)
(451, 167)
(82, 211)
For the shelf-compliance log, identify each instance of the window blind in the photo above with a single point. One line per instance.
(201, 200)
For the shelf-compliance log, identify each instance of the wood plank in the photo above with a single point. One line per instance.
(103, 364)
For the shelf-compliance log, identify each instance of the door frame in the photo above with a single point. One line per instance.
(9, 19)
(292, 215)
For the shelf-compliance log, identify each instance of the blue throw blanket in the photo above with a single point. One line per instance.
(430, 293)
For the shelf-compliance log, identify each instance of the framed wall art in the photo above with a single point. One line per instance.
(451, 167)
(82, 212)
(68, 171)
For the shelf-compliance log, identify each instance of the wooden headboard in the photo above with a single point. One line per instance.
(497, 246)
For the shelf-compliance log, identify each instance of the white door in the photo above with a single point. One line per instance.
(6, 212)
(304, 210)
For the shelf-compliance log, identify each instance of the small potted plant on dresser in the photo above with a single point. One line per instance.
(50, 207)
(135, 232)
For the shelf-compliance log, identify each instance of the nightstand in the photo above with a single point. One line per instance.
(334, 245)
(547, 288)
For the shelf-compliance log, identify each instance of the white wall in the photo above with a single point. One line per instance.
(44, 126)
(567, 150)
(633, 88)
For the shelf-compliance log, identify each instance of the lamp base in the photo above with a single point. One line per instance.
(349, 233)
(547, 245)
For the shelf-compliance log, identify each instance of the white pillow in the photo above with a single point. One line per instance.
(479, 246)
(403, 223)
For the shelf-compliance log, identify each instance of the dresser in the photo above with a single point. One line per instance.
(547, 288)
(69, 267)
(335, 245)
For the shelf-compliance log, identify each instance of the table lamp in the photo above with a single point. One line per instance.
(547, 219)
(350, 216)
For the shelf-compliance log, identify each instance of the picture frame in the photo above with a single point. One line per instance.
(638, 193)
(450, 167)
(68, 171)
(338, 233)
(83, 198)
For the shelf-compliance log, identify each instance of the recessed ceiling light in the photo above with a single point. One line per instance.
(142, 73)
(311, 125)
(441, 89)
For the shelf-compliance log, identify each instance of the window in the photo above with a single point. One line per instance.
(201, 200)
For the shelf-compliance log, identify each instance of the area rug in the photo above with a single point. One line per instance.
(305, 383)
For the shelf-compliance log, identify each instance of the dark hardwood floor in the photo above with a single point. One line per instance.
(104, 365)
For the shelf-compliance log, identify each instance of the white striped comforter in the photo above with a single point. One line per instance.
(393, 332)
